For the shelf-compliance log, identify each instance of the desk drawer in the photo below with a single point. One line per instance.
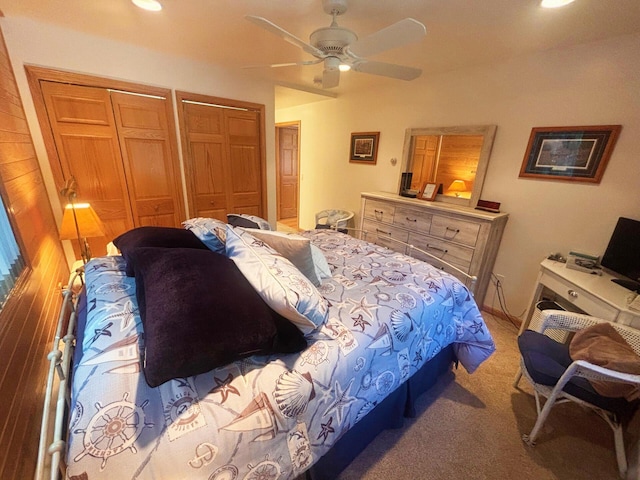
(379, 211)
(579, 297)
(384, 235)
(412, 219)
(454, 230)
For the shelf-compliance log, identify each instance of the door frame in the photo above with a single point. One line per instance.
(297, 124)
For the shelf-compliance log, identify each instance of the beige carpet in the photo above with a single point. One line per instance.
(469, 427)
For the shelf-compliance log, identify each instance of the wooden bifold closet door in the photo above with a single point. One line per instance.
(118, 146)
(224, 156)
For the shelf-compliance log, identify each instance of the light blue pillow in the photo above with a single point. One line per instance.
(280, 284)
(209, 231)
(320, 263)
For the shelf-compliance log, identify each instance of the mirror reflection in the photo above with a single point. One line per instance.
(453, 157)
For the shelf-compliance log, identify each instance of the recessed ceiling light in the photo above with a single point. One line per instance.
(555, 3)
(151, 5)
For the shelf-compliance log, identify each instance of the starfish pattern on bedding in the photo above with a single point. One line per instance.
(224, 387)
(342, 400)
(362, 306)
(326, 429)
(476, 327)
(359, 321)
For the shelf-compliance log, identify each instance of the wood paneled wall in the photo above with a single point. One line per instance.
(28, 319)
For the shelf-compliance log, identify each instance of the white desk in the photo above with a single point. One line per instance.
(578, 291)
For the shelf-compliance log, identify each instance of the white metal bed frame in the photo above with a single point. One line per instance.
(53, 431)
(53, 440)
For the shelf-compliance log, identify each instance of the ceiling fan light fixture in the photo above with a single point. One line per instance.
(344, 67)
(151, 5)
(555, 3)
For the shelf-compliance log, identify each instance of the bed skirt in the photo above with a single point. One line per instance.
(390, 413)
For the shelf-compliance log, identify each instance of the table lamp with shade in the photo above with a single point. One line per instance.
(457, 187)
(79, 221)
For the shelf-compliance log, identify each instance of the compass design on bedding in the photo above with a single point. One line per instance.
(113, 429)
(317, 353)
(265, 470)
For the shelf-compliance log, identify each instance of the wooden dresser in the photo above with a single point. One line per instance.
(463, 236)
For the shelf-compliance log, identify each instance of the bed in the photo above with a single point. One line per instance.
(392, 325)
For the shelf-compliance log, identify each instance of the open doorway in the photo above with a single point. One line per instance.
(287, 175)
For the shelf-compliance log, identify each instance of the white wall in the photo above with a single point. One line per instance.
(595, 84)
(36, 43)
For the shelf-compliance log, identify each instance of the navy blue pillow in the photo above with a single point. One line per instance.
(167, 237)
(199, 312)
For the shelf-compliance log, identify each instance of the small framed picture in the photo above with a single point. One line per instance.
(364, 147)
(428, 191)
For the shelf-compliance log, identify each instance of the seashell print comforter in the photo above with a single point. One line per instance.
(267, 417)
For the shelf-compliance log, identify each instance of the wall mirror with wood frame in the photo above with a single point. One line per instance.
(456, 157)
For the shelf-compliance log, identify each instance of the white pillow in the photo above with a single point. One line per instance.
(209, 231)
(295, 248)
(280, 284)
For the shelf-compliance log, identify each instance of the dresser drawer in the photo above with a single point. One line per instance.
(582, 299)
(455, 254)
(379, 211)
(454, 230)
(412, 219)
(384, 235)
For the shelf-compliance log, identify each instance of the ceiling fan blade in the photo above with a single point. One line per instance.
(288, 37)
(400, 33)
(290, 64)
(330, 78)
(388, 70)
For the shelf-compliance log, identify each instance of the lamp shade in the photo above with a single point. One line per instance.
(89, 224)
(458, 186)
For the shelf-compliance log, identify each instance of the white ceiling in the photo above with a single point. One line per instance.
(459, 32)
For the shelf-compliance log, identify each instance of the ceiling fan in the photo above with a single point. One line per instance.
(338, 46)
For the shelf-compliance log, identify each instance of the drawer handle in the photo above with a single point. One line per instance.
(437, 249)
(573, 293)
(378, 211)
(156, 207)
(411, 219)
(212, 202)
(382, 231)
(454, 230)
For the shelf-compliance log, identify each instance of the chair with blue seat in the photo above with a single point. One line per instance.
(548, 366)
(334, 219)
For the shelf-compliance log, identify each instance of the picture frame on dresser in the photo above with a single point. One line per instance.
(364, 147)
(428, 191)
(575, 154)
